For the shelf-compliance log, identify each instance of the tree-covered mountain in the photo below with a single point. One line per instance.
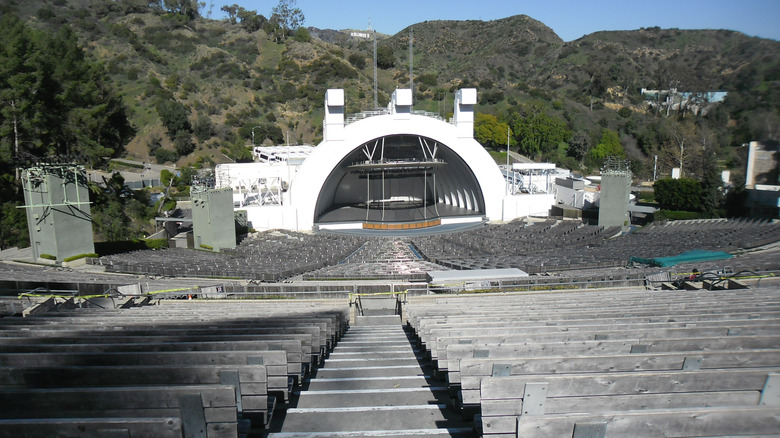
(158, 80)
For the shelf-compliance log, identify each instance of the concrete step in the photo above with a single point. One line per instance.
(367, 397)
(375, 329)
(378, 320)
(374, 383)
(363, 418)
(374, 354)
(343, 371)
(368, 362)
(464, 432)
(357, 348)
(367, 383)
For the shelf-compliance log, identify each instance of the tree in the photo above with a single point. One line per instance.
(491, 133)
(384, 57)
(579, 145)
(174, 116)
(711, 198)
(54, 100)
(287, 15)
(232, 12)
(21, 78)
(203, 128)
(183, 143)
(109, 214)
(681, 144)
(536, 132)
(187, 8)
(13, 225)
(251, 21)
(608, 146)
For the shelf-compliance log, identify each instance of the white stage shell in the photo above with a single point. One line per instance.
(342, 140)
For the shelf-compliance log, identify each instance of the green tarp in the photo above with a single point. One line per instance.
(697, 255)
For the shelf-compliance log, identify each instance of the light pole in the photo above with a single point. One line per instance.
(253, 134)
(507, 160)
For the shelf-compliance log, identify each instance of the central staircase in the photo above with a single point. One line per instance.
(374, 383)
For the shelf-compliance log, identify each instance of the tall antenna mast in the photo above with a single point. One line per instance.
(411, 61)
(376, 100)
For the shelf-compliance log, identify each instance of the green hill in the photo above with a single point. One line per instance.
(194, 90)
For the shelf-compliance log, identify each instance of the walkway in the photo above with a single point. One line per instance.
(374, 384)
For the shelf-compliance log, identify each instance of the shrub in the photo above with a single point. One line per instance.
(682, 194)
(676, 215)
(384, 57)
(357, 60)
(165, 155)
(302, 35)
(47, 257)
(183, 143)
(156, 243)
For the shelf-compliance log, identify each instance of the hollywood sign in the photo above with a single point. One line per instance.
(360, 34)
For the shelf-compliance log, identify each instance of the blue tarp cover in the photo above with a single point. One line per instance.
(696, 255)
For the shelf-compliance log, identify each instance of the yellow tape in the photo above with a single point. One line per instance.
(81, 297)
(168, 290)
(351, 294)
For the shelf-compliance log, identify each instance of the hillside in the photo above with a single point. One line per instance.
(196, 91)
(235, 78)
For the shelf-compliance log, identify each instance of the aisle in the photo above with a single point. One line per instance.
(374, 384)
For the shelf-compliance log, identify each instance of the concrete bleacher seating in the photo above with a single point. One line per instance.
(379, 258)
(271, 256)
(539, 247)
(256, 350)
(652, 359)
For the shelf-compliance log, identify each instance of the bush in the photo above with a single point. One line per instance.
(646, 196)
(208, 247)
(357, 60)
(682, 194)
(661, 215)
(156, 243)
(302, 35)
(384, 57)
(165, 155)
(183, 143)
(47, 257)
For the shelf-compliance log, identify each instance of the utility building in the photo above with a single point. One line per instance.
(58, 217)
(615, 194)
(213, 221)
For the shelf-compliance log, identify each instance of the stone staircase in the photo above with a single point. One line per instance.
(375, 383)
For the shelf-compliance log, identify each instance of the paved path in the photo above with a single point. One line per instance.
(374, 384)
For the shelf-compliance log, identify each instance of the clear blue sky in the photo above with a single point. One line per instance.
(570, 19)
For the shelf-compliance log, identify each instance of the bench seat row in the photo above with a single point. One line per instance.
(189, 368)
(608, 363)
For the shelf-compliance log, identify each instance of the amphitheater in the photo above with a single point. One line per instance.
(324, 334)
